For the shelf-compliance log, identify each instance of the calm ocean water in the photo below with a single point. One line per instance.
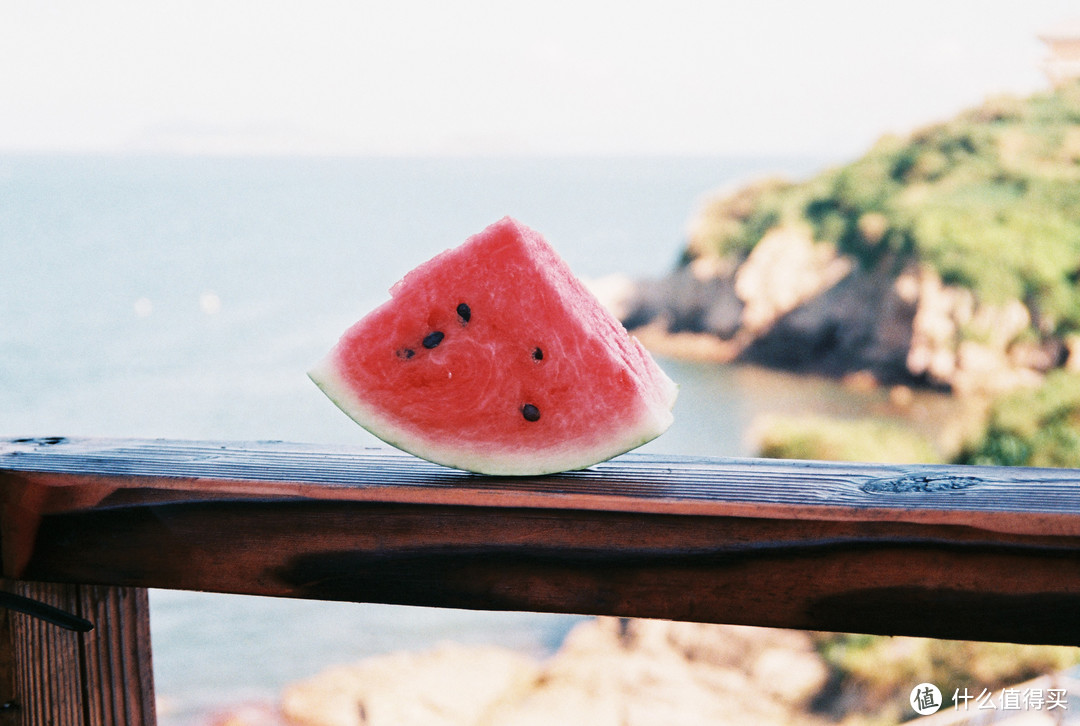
(186, 297)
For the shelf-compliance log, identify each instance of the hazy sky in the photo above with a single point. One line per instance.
(470, 76)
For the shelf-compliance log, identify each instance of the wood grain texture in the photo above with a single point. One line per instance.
(57, 677)
(117, 664)
(951, 552)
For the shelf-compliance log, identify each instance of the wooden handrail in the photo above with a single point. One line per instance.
(976, 553)
(87, 525)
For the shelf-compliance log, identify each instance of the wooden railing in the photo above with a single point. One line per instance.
(974, 553)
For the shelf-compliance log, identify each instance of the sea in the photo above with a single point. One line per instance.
(186, 297)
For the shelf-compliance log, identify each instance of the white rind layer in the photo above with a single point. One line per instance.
(654, 419)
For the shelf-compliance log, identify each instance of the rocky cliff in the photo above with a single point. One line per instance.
(798, 304)
(950, 258)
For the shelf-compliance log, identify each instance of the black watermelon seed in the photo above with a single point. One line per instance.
(538, 354)
(432, 339)
(464, 313)
(530, 412)
(405, 353)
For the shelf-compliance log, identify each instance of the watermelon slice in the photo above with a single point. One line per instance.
(492, 357)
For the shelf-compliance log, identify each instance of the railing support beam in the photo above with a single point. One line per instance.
(51, 675)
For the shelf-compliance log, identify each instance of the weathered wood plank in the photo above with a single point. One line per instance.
(117, 663)
(57, 677)
(950, 552)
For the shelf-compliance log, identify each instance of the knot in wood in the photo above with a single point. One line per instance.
(920, 484)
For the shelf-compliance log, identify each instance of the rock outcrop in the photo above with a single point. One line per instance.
(609, 672)
(448, 686)
(796, 304)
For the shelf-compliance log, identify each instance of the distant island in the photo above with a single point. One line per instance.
(946, 259)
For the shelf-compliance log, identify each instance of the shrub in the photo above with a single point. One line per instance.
(1032, 427)
(990, 199)
(819, 437)
(874, 675)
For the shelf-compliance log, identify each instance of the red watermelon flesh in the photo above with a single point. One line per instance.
(493, 357)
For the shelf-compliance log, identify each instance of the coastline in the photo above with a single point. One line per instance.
(686, 345)
(885, 421)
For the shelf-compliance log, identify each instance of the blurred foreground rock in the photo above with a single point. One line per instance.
(609, 672)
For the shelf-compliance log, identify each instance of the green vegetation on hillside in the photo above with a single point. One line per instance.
(1032, 427)
(1037, 426)
(990, 199)
(875, 674)
(824, 438)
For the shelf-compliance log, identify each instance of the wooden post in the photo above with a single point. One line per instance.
(57, 677)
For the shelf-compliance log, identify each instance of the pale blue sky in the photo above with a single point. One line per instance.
(474, 76)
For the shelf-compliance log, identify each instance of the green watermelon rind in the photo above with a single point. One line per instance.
(654, 420)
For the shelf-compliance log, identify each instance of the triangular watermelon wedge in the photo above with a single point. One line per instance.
(493, 357)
